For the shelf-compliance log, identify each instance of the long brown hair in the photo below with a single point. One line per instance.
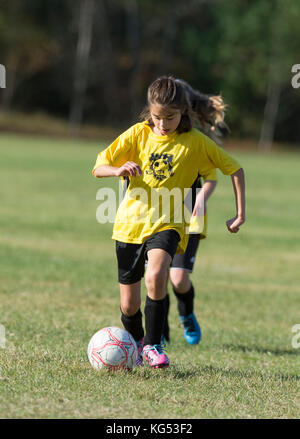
(167, 91)
(204, 111)
(208, 111)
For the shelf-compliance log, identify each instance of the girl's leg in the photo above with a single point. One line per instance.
(184, 291)
(156, 280)
(157, 273)
(182, 266)
(166, 330)
(180, 279)
(130, 307)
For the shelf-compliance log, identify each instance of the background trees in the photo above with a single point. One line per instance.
(92, 60)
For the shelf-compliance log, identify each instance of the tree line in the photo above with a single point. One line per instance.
(91, 61)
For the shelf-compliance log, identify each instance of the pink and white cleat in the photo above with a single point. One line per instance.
(154, 355)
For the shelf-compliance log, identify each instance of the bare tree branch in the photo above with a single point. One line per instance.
(85, 31)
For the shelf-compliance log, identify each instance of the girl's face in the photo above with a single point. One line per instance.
(165, 119)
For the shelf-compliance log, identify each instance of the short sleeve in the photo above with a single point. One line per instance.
(218, 158)
(212, 175)
(118, 152)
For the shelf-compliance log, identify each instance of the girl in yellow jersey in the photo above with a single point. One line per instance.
(161, 156)
(209, 113)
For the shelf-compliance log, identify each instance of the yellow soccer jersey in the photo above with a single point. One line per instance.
(198, 225)
(170, 165)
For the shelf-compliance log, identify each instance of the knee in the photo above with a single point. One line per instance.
(156, 278)
(130, 307)
(180, 280)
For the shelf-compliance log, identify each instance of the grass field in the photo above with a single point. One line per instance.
(58, 285)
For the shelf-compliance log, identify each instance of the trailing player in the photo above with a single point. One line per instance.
(209, 114)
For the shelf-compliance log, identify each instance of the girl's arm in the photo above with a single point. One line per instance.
(204, 194)
(208, 188)
(238, 182)
(130, 169)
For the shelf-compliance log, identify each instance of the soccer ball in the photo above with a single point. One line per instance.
(112, 348)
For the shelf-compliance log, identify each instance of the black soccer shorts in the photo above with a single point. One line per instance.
(132, 257)
(186, 260)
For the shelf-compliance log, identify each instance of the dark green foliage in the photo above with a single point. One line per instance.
(237, 48)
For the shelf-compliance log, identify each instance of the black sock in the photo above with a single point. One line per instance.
(166, 331)
(185, 302)
(133, 324)
(154, 320)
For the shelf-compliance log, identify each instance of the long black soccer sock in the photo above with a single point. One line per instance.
(133, 324)
(154, 320)
(185, 301)
(166, 330)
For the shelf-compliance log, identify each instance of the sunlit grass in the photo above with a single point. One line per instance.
(58, 285)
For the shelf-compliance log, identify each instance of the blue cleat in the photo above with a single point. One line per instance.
(192, 330)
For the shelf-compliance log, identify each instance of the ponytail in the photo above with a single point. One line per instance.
(208, 112)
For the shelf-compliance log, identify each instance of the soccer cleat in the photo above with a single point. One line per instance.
(154, 355)
(192, 330)
(139, 358)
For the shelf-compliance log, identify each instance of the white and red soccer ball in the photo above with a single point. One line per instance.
(112, 348)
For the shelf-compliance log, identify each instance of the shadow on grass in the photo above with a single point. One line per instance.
(212, 370)
(261, 350)
(173, 372)
(185, 373)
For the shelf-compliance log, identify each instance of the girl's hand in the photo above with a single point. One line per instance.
(130, 169)
(233, 225)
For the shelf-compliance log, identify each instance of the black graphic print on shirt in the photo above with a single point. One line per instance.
(160, 166)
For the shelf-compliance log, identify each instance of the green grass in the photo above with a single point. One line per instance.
(58, 285)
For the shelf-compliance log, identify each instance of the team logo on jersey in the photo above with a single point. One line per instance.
(161, 166)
